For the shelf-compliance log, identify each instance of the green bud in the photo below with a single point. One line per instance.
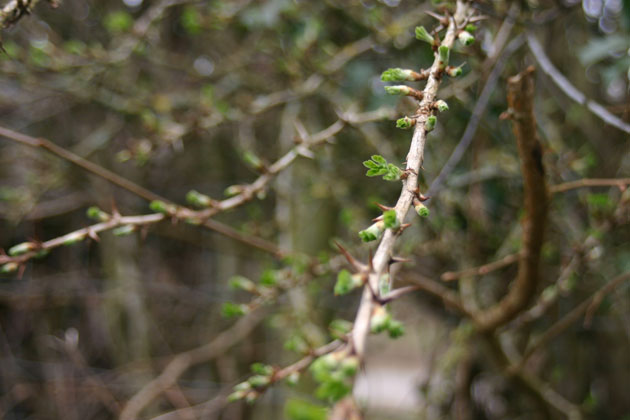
(243, 386)
(471, 28)
(441, 105)
(395, 329)
(8, 268)
(269, 278)
(340, 327)
(430, 124)
(398, 90)
(251, 397)
(454, 71)
(233, 190)
(297, 343)
(252, 160)
(391, 220)
(197, 199)
(236, 396)
(423, 35)
(124, 230)
(380, 320)
(466, 38)
(373, 232)
(162, 207)
(421, 209)
(347, 282)
(397, 75)
(261, 369)
(232, 310)
(405, 123)
(258, 381)
(97, 214)
(293, 378)
(73, 238)
(242, 283)
(22, 248)
(349, 366)
(443, 53)
(41, 253)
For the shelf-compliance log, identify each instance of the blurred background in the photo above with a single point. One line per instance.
(194, 95)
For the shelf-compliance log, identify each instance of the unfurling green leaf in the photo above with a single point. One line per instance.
(346, 282)
(393, 173)
(430, 124)
(391, 219)
(373, 232)
(401, 90)
(466, 38)
(423, 35)
(398, 75)
(421, 209)
(379, 166)
(443, 53)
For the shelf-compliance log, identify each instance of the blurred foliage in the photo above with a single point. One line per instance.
(200, 95)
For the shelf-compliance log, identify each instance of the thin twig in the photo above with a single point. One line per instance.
(183, 361)
(590, 182)
(563, 323)
(482, 269)
(571, 91)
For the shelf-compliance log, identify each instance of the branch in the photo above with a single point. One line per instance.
(571, 91)
(16, 9)
(183, 361)
(410, 184)
(482, 269)
(566, 321)
(521, 107)
(590, 182)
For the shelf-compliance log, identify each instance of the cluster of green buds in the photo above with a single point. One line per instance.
(250, 389)
(335, 373)
(466, 36)
(382, 320)
(198, 199)
(97, 214)
(162, 207)
(346, 282)
(405, 123)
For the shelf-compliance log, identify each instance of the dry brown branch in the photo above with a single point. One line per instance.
(183, 361)
(521, 109)
(482, 269)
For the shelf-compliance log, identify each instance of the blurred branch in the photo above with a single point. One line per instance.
(183, 361)
(14, 10)
(588, 305)
(571, 91)
(590, 182)
(521, 109)
(482, 269)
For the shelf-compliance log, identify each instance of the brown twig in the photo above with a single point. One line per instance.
(563, 323)
(183, 361)
(590, 182)
(482, 269)
(521, 103)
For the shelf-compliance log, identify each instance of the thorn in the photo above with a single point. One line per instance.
(21, 271)
(358, 266)
(115, 212)
(403, 227)
(378, 219)
(370, 263)
(440, 18)
(383, 207)
(399, 260)
(93, 235)
(423, 197)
